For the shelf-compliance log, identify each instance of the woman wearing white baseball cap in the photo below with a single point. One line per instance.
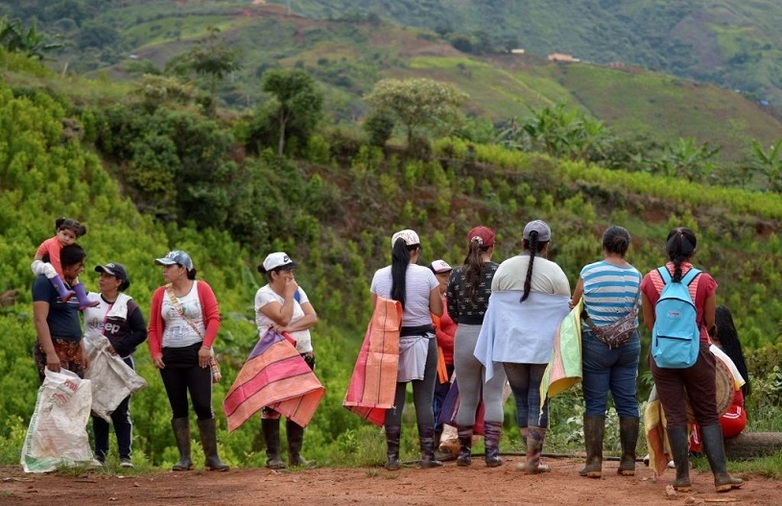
(418, 290)
(282, 304)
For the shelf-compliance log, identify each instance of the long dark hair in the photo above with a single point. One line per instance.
(534, 247)
(680, 246)
(400, 259)
(473, 266)
(730, 344)
(616, 240)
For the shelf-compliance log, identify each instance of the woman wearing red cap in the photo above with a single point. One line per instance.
(468, 297)
(183, 324)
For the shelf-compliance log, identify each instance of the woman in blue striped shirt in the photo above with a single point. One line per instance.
(610, 289)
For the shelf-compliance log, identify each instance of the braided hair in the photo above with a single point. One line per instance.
(534, 247)
(680, 247)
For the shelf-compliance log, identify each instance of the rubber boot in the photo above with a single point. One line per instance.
(81, 294)
(426, 440)
(594, 429)
(680, 448)
(523, 431)
(493, 432)
(393, 433)
(271, 434)
(535, 438)
(181, 428)
(714, 448)
(64, 294)
(208, 430)
(295, 441)
(628, 436)
(465, 446)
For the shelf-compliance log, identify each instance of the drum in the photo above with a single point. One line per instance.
(724, 387)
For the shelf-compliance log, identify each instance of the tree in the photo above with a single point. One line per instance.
(417, 103)
(298, 100)
(768, 163)
(684, 159)
(213, 58)
(16, 38)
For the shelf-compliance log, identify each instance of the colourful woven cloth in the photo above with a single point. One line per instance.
(274, 376)
(373, 383)
(656, 435)
(565, 367)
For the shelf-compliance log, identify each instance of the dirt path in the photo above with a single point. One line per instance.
(449, 485)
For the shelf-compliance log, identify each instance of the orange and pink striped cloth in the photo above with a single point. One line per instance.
(274, 376)
(373, 383)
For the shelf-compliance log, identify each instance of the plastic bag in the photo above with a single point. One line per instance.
(57, 432)
(111, 378)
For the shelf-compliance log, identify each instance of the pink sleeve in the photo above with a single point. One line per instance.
(52, 248)
(155, 332)
(211, 312)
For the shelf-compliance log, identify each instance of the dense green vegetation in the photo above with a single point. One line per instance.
(354, 44)
(149, 166)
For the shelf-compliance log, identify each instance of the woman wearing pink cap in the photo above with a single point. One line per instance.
(418, 291)
(468, 297)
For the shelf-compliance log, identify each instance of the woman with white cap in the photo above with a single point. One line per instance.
(284, 305)
(418, 291)
(118, 318)
(183, 324)
(468, 297)
(529, 298)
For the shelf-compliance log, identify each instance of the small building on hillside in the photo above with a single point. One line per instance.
(562, 57)
(517, 51)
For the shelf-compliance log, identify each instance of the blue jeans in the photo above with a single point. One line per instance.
(525, 380)
(440, 391)
(610, 369)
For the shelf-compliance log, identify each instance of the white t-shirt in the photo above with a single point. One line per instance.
(547, 277)
(178, 333)
(265, 295)
(419, 282)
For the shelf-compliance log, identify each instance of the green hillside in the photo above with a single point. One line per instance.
(348, 50)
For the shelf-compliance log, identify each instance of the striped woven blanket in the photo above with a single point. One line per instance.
(274, 376)
(373, 383)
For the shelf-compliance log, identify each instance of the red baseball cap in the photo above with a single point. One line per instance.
(484, 235)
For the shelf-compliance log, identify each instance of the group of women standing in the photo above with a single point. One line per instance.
(507, 315)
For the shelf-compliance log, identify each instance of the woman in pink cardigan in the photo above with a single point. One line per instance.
(183, 323)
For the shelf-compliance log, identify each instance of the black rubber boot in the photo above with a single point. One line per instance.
(208, 430)
(714, 449)
(181, 428)
(426, 440)
(680, 448)
(295, 441)
(594, 430)
(493, 432)
(465, 446)
(271, 434)
(393, 433)
(628, 435)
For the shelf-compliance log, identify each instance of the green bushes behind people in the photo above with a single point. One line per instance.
(146, 181)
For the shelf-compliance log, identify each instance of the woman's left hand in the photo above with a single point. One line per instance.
(204, 354)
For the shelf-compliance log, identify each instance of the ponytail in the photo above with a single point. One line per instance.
(473, 267)
(400, 259)
(680, 247)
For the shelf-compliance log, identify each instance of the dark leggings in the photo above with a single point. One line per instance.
(182, 374)
(423, 393)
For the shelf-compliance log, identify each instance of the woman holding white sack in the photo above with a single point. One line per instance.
(118, 318)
